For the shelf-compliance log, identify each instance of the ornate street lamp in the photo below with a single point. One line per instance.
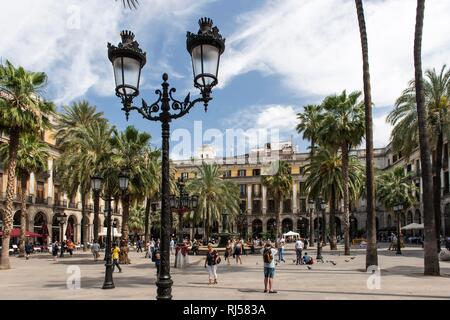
(97, 186)
(127, 58)
(398, 209)
(311, 222)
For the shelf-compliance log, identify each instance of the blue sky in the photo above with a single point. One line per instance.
(280, 55)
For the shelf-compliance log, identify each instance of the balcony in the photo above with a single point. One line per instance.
(60, 203)
(41, 200)
(73, 205)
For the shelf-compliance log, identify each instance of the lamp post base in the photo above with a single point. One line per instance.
(164, 291)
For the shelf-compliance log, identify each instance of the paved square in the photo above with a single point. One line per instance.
(401, 278)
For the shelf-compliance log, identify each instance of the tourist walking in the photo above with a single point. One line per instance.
(55, 249)
(115, 257)
(269, 253)
(139, 246)
(211, 261)
(172, 246)
(28, 250)
(281, 250)
(298, 251)
(228, 252)
(70, 247)
(95, 249)
(238, 251)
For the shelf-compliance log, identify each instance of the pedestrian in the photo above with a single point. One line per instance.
(55, 249)
(269, 253)
(238, 251)
(172, 246)
(139, 245)
(307, 259)
(211, 261)
(70, 247)
(298, 251)
(281, 250)
(28, 250)
(157, 258)
(95, 249)
(228, 252)
(63, 248)
(115, 257)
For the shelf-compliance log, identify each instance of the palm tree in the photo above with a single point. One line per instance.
(136, 223)
(32, 156)
(431, 260)
(395, 187)
(130, 3)
(93, 147)
(215, 195)
(22, 111)
(436, 89)
(279, 185)
(371, 249)
(130, 149)
(325, 178)
(71, 130)
(343, 127)
(310, 121)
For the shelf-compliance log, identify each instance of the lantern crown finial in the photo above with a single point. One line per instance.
(205, 24)
(127, 37)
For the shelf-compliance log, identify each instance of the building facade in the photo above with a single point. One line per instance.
(259, 208)
(45, 199)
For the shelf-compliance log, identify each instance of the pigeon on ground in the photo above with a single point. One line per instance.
(309, 268)
(333, 263)
(347, 260)
(352, 258)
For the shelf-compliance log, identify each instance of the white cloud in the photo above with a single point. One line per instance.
(67, 39)
(381, 131)
(315, 47)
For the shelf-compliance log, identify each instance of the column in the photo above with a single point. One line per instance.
(77, 232)
(32, 183)
(264, 199)
(249, 198)
(294, 196)
(50, 192)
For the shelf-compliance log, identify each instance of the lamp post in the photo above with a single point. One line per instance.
(311, 222)
(182, 204)
(97, 186)
(61, 218)
(128, 59)
(398, 209)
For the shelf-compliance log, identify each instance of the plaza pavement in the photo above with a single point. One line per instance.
(401, 278)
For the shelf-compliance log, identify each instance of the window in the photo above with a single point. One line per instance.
(256, 190)
(242, 206)
(417, 165)
(394, 158)
(40, 190)
(256, 206)
(271, 205)
(256, 172)
(302, 170)
(227, 174)
(184, 175)
(302, 205)
(302, 189)
(287, 206)
(243, 190)
(409, 168)
(242, 173)
(56, 194)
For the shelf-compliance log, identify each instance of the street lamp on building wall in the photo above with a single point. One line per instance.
(97, 185)
(205, 49)
(398, 209)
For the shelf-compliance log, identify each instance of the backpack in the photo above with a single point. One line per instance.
(267, 256)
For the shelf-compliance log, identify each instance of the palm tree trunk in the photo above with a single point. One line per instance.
(280, 210)
(431, 260)
(23, 214)
(207, 224)
(437, 188)
(333, 240)
(96, 213)
(311, 220)
(125, 230)
(86, 222)
(147, 219)
(10, 187)
(344, 148)
(371, 251)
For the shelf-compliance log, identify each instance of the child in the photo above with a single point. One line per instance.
(157, 257)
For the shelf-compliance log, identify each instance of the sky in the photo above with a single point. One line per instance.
(280, 55)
